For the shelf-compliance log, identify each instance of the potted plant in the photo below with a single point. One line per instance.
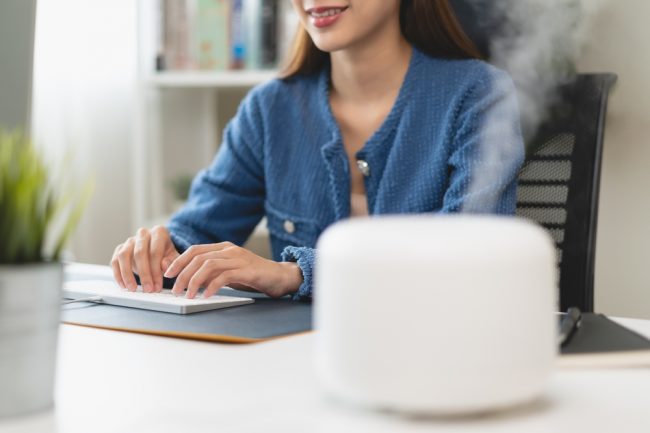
(36, 220)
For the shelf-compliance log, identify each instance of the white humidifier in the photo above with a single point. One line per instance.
(437, 315)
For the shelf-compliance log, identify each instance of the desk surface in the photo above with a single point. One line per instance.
(119, 382)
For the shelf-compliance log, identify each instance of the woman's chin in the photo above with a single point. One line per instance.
(329, 44)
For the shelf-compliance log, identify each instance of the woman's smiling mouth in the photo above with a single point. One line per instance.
(326, 16)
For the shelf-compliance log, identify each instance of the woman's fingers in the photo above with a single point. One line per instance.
(210, 269)
(184, 259)
(168, 259)
(115, 265)
(125, 260)
(141, 258)
(160, 243)
(224, 279)
(148, 254)
(183, 279)
(152, 254)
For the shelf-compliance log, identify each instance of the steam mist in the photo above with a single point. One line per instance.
(539, 46)
(538, 43)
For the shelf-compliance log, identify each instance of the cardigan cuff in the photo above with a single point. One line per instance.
(304, 257)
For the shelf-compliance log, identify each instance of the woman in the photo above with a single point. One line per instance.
(382, 109)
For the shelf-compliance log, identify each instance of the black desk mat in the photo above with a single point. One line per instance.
(272, 318)
(262, 320)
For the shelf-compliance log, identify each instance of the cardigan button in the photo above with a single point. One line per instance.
(289, 226)
(364, 167)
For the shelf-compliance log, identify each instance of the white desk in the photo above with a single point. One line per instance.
(120, 382)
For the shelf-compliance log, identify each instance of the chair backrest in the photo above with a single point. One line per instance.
(559, 183)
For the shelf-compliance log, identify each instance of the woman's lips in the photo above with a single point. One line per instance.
(325, 16)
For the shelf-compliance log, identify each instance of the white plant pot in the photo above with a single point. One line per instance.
(435, 315)
(30, 308)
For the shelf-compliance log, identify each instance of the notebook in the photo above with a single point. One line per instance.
(112, 294)
(601, 342)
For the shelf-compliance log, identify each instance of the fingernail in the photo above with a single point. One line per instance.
(168, 273)
(147, 288)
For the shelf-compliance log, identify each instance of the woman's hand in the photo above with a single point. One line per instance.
(149, 253)
(213, 266)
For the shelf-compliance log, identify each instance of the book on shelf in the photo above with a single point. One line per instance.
(270, 18)
(218, 35)
(175, 43)
(237, 36)
(210, 41)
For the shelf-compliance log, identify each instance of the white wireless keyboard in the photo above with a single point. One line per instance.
(113, 294)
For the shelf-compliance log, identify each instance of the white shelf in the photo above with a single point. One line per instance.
(181, 114)
(210, 79)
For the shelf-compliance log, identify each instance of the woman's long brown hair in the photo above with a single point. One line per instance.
(429, 25)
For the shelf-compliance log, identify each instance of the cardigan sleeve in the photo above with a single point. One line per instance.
(487, 149)
(305, 258)
(226, 200)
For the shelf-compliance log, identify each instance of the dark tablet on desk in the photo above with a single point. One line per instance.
(599, 334)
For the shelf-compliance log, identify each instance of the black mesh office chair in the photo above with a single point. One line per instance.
(559, 183)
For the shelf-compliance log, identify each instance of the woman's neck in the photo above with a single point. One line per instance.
(372, 70)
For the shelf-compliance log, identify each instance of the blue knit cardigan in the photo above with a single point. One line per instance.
(451, 143)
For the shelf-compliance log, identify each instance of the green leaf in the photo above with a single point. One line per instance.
(30, 205)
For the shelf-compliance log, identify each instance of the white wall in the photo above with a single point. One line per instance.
(619, 42)
(84, 96)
